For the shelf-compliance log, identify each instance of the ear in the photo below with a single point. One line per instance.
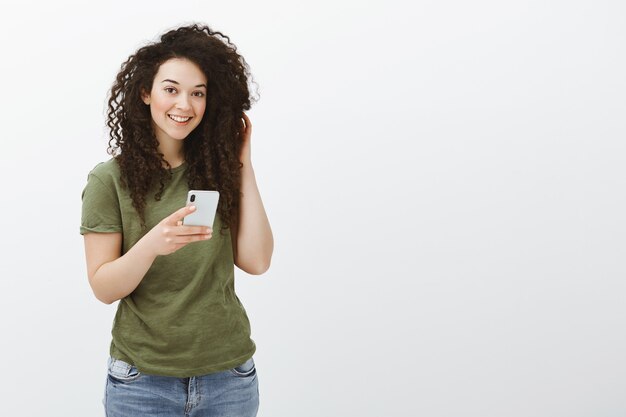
(145, 97)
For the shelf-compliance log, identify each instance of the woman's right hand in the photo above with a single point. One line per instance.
(170, 234)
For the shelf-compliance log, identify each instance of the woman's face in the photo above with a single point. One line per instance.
(177, 100)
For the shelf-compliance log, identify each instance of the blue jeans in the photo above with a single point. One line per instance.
(130, 393)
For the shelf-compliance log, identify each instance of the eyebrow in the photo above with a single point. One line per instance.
(176, 82)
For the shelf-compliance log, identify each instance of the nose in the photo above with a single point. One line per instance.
(183, 103)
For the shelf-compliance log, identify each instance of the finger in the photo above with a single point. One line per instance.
(246, 120)
(194, 230)
(180, 214)
(197, 238)
(180, 242)
(179, 246)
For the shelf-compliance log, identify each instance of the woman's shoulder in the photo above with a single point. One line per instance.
(106, 169)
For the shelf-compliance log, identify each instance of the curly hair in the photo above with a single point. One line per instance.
(212, 149)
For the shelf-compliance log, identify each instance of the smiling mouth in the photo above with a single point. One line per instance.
(179, 119)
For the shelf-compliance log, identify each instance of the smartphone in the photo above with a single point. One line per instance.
(206, 207)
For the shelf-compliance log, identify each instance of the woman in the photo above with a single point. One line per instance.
(181, 340)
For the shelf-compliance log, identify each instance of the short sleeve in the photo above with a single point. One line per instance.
(101, 210)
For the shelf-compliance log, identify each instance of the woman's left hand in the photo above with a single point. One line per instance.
(245, 133)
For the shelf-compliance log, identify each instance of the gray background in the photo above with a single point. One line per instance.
(444, 180)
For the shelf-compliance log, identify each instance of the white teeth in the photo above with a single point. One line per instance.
(179, 119)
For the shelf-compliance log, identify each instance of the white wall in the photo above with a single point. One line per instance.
(444, 179)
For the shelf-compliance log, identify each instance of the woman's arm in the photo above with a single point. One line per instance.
(253, 243)
(113, 276)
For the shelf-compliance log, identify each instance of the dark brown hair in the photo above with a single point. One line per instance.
(212, 149)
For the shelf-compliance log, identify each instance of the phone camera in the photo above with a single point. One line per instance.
(193, 198)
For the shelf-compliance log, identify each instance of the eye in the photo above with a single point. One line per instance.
(169, 88)
(201, 94)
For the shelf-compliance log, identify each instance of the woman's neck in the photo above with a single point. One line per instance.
(174, 157)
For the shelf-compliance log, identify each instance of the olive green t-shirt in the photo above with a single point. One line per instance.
(184, 318)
